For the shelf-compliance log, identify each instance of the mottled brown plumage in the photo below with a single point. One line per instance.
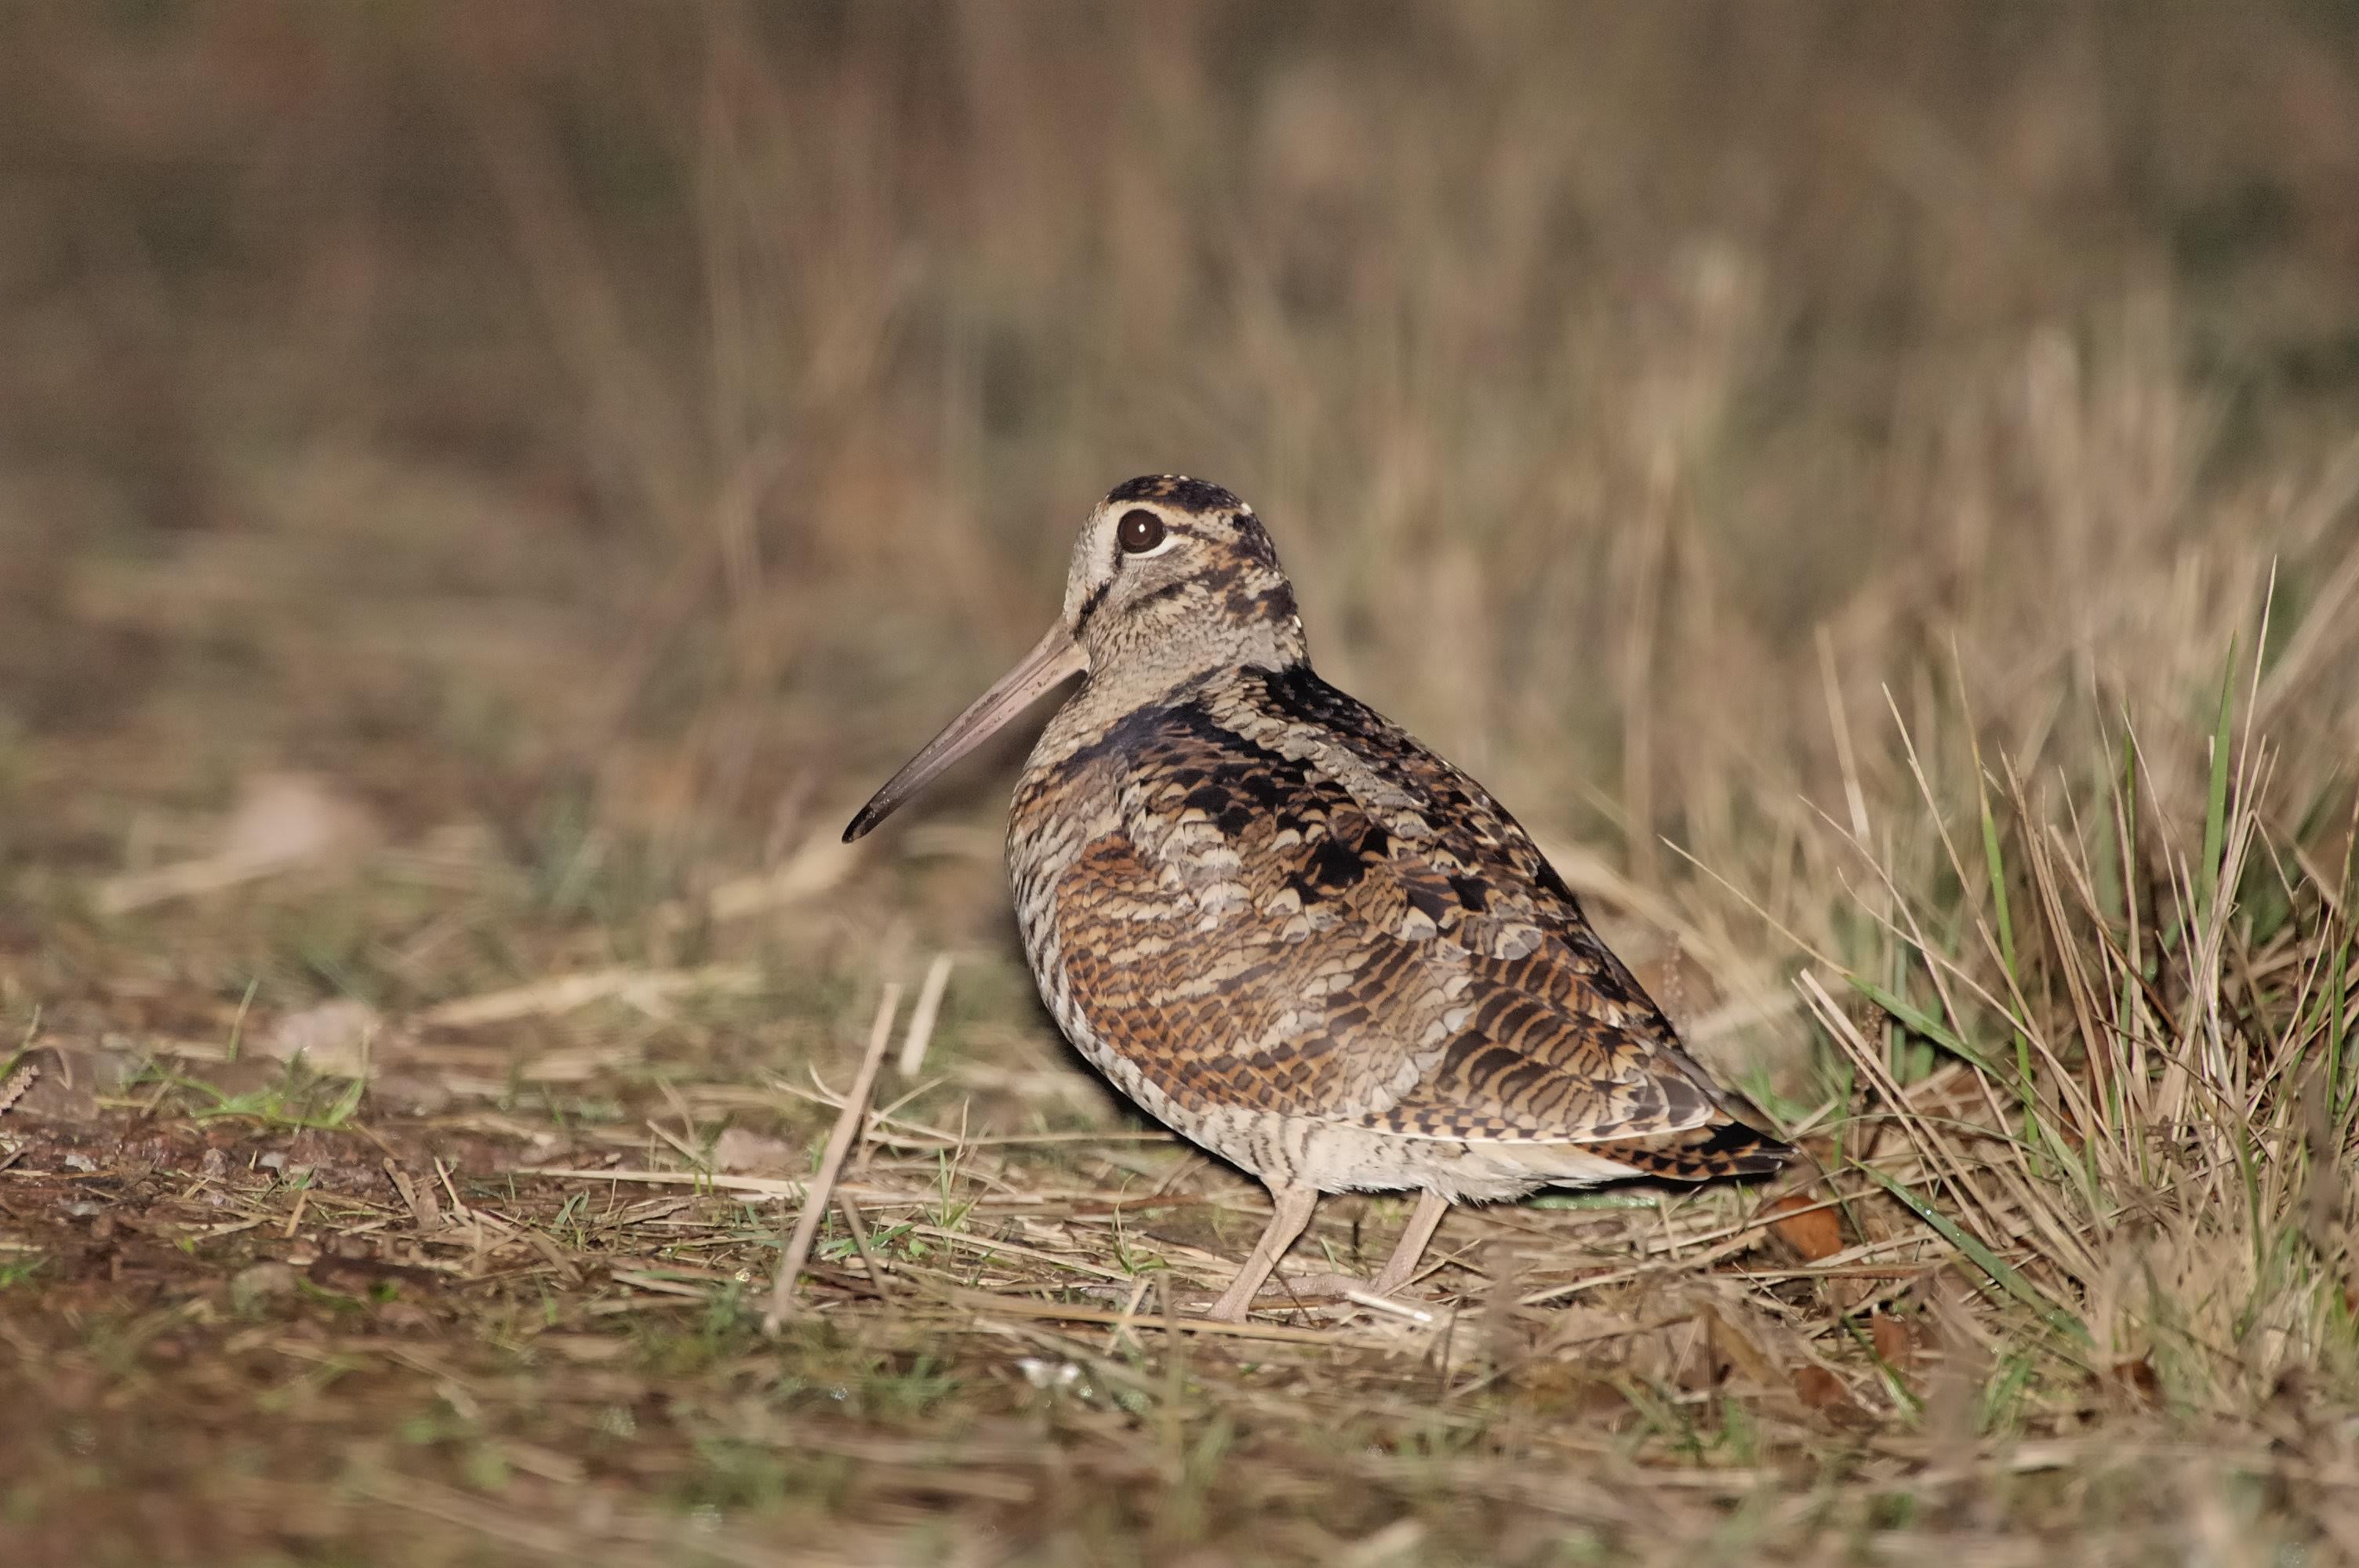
(1289, 931)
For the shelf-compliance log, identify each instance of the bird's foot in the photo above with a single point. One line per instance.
(1307, 1287)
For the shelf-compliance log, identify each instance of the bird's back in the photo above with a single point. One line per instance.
(1293, 932)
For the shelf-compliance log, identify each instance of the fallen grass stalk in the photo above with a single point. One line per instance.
(923, 1016)
(564, 993)
(839, 1144)
(989, 1305)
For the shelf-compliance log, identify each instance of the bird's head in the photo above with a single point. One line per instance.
(1171, 578)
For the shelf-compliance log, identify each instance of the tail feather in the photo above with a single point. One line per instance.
(1700, 1153)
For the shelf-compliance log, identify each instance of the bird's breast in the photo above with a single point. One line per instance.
(1068, 795)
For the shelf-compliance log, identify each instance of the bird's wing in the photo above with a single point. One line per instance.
(1304, 911)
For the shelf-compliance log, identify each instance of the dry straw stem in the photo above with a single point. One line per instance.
(647, 990)
(839, 1144)
(923, 1016)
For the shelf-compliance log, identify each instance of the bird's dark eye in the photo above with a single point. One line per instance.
(1138, 532)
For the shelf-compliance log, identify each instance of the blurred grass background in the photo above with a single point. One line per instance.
(594, 443)
(684, 401)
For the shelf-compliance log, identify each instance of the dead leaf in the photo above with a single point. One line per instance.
(1892, 1341)
(2134, 1378)
(1736, 1347)
(1805, 1224)
(1821, 1389)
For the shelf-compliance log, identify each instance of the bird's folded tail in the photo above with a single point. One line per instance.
(1700, 1153)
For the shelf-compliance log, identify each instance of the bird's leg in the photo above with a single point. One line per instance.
(1430, 1207)
(1292, 1212)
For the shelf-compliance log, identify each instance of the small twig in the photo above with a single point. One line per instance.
(422, 1207)
(564, 993)
(1728, 1249)
(1023, 1307)
(1376, 1303)
(991, 1246)
(459, 1210)
(839, 1144)
(1129, 1311)
(688, 1152)
(859, 1229)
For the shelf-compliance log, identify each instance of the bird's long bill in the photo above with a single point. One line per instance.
(1056, 657)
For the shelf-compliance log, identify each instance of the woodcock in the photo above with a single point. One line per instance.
(1289, 931)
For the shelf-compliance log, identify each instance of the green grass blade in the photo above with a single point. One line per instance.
(2215, 801)
(1922, 1022)
(1995, 864)
(2003, 1274)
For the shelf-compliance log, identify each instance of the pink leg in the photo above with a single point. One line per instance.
(1430, 1207)
(1293, 1206)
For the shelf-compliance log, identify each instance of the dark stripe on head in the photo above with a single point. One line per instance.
(1169, 590)
(1090, 605)
(1188, 494)
(1253, 541)
(1276, 603)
